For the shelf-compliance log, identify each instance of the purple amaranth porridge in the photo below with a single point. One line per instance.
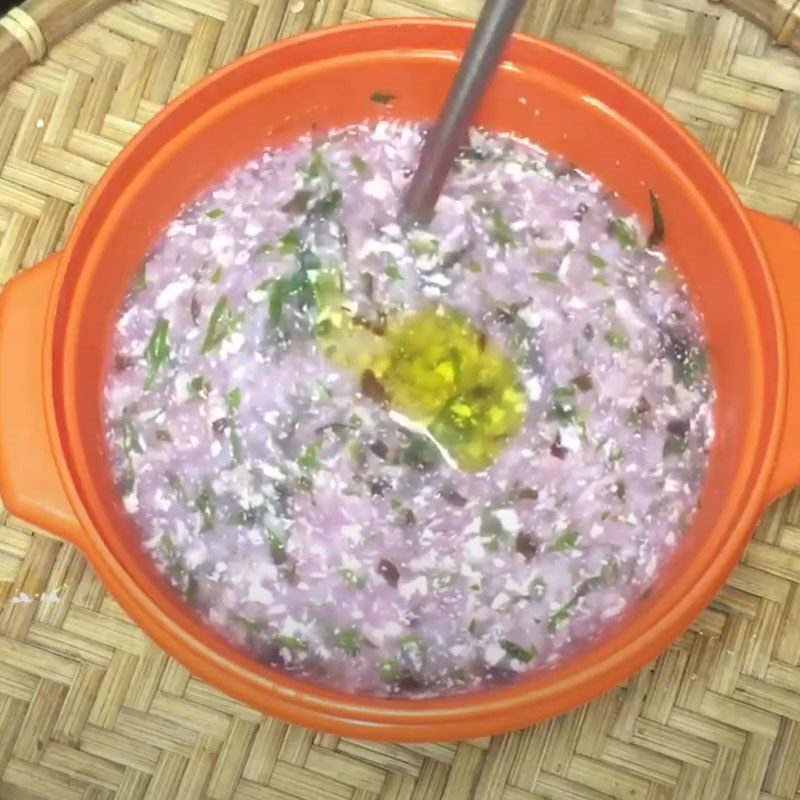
(409, 460)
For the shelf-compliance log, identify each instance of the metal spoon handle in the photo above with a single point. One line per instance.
(485, 47)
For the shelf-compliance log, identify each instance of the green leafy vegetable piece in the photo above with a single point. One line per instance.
(215, 213)
(624, 233)
(559, 619)
(140, 280)
(353, 579)
(206, 505)
(157, 351)
(389, 670)
(546, 277)
(328, 205)
(317, 168)
(393, 273)
(568, 540)
(502, 231)
(290, 242)
(616, 340)
(349, 640)
(517, 651)
(674, 447)
(131, 443)
(361, 167)
(200, 386)
(277, 545)
(219, 325)
(216, 275)
(491, 531)
(413, 649)
(290, 643)
(234, 399)
(310, 457)
(422, 455)
(597, 261)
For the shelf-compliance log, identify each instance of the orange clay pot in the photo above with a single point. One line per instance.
(56, 323)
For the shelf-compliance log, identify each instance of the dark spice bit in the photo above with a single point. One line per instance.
(382, 97)
(588, 332)
(408, 683)
(452, 497)
(372, 388)
(557, 449)
(163, 436)
(299, 202)
(389, 572)
(580, 211)
(407, 517)
(368, 284)
(584, 382)
(380, 449)
(219, 426)
(657, 234)
(642, 406)
(376, 326)
(194, 308)
(482, 340)
(526, 493)
(123, 361)
(620, 489)
(679, 428)
(526, 545)
(378, 487)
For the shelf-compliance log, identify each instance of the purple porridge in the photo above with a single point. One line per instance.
(409, 460)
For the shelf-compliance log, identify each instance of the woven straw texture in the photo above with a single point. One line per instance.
(91, 710)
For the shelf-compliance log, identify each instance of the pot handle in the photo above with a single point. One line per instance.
(30, 485)
(781, 243)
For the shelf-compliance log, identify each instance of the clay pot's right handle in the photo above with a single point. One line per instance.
(30, 485)
(781, 242)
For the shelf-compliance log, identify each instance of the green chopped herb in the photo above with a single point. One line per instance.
(216, 275)
(382, 97)
(328, 205)
(219, 325)
(601, 281)
(598, 262)
(298, 203)
(503, 233)
(475, 267)
(616, 340)
(290, 643)
(234, 399)
(157, 351)
(624, 233)
(424, 245)
(517, 651)
(674, 447)
(422, 455)
(491, 531)
(237, 447)
(317, 168)
(559, 619)
(200, 386)
(657, 234)
(290, 242)
(349, 640)
(131, 443)
(277, 545)
(413, 649)
(361, 167)
(215, 213)
(310, 457)
(140, 280)
(252, 625)
(353, 579)
(206, 505)
(393, 273)
(546, 277)
(389, 670)
(564, 542)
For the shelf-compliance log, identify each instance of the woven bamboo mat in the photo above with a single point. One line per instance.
(91, 710)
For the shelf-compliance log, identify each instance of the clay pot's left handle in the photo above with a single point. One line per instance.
(30, 485)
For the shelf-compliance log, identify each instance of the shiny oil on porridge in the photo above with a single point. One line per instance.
(404, 459)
